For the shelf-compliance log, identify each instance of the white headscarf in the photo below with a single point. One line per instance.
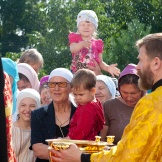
(87, 15)
(30, 73)
(109, 83)
(28, 93)
(62, 72)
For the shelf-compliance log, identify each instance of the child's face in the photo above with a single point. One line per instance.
(86, 28)
(82, 96)
(25, 107)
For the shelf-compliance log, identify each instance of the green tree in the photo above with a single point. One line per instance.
(18, 18)
(61, 17)
(123, 49)
(45, 25)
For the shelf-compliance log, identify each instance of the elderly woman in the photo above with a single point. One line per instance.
(52, 121)
(119, 110)
(27, 100)
(105, 88)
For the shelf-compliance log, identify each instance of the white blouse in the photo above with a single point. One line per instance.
(21, 144)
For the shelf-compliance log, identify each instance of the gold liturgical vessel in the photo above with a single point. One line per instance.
(84, 145)
(110, 140)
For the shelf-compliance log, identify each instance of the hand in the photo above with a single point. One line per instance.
(72, 154)
(86, 44)
(113, 70)
(96, 69)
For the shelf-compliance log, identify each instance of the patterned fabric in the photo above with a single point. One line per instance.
(85, 56)
(8, 110)
(87, 121)
(142, 138)
(10, 67)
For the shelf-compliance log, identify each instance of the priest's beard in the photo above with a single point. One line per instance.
(145, 81)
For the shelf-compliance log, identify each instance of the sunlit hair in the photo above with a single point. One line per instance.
(153, 45)
(84, 78)
(31, 56)
(128, 79)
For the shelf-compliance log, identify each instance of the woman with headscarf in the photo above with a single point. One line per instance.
(27, 100)
(105, 88)
(52, 121)
(10, 67)
(28, 77)
(118, 111)
(44, 91)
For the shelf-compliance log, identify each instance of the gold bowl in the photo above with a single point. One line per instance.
(84, 145)
(60, 145)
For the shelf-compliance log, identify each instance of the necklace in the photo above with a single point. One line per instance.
(61, 124)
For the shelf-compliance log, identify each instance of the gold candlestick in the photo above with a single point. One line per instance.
(97, 138)
(110, 140)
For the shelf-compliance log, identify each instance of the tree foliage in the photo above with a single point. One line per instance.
(123, 49)
(45, 25)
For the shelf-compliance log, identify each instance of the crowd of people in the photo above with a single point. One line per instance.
(82, 103)
(142, 137)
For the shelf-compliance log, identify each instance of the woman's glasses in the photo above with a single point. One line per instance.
(60, 84)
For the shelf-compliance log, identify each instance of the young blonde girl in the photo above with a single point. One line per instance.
(85, 48)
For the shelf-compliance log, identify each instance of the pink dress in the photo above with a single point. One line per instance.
(85, 56)
(87, 121)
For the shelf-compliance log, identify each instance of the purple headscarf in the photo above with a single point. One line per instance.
(129, 69)
(44, 79)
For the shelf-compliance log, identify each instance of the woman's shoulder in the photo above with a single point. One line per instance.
(116, 105)
(15, 128)
(42, 111)
(113, 100)
(112, 103)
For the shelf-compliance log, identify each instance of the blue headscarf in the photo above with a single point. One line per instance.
(10, 67)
